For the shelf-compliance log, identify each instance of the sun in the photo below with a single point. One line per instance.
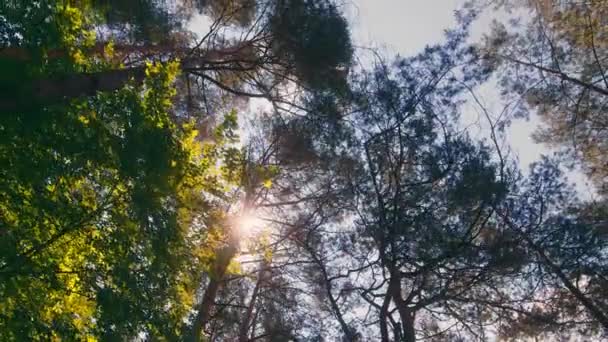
(249, 224)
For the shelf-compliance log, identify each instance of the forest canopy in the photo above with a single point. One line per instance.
(146, 195)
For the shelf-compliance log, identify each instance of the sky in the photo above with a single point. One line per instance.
(402, 26)
(405, 27)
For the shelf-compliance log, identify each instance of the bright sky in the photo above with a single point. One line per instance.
(402, 26)
(405, 27)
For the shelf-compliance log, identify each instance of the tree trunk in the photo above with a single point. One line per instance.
(406, 314)
(86, 84)
(350, 336)
(224, 256)
(393, 285)
(55, 89)
(384, 317)
(26, 95)
(122, 51)
(246, 323)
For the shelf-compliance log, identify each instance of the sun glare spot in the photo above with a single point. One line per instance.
(249, 225)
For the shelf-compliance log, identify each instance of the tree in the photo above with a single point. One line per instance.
(564, 240)
(92, 239)
(556, 62)
(286, 43)
(133, 204)
(357, 207)
(105, 201)
(412, 199)
(426, 195)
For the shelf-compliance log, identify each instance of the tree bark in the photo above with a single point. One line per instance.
(406, 314)
(55, 89)
(384, 315)
(122, 51)
(246, 323)
(86, 84)
(224, 256)
(383, 318)
(348, 333)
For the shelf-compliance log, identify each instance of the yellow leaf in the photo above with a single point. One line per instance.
(108, 50)
(78, 57)
(234, 267)
(267, 183)
(267, 254)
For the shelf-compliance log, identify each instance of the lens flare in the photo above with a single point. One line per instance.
(249, 224)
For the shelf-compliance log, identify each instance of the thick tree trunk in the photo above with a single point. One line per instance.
(55, 89)
(86, 84)
(119, 51)
(348, 333)
(224, 257)
(383, 319)
(204, 309)
(406, 314)
(388, 297)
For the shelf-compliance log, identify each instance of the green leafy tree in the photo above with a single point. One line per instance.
(106, 200)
